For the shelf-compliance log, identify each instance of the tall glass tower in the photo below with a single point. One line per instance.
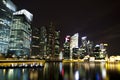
(6, 10)
(67, 47)
(51, 40)
(57, 42)
(73, 43)
(35, 41)
(43, 41)
(20, 39)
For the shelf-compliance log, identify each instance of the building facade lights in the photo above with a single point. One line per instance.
(20, 37)
(6, 11)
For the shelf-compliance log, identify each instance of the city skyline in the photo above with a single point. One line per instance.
(99, 20)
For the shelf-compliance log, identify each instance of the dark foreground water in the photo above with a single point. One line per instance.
(64, 71)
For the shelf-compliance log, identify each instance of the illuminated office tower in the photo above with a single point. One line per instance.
(101, 46)
(66, 46)
(96, 51)
(57, 42)
(103, 51)
(73, 43)
(20, 39)
(43, 41)
(84, 41)
(84, 44)
(35, 41)
(53, 43)
(51, 40)
(100, 51)
(89, 47)
(6, 10)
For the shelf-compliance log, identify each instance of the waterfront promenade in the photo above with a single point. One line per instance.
(37, 62)
(21, 63)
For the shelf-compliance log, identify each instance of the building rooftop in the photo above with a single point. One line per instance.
(9, 4)
(26, 13)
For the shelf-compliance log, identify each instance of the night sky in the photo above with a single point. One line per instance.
(99, 20)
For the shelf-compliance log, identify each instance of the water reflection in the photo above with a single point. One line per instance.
(64, 71)
(14, 74)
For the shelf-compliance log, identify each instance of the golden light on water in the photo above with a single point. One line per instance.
(113, 66)
(33, 75)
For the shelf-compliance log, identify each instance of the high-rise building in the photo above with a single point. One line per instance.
(35, 42)
(51, 40)
(43, 41)
(66, 45)
(84, 41)
(99, 51)
(84, 45)
(96, 51)
(89, 47)
(57, 43)
(103, 50)
(6, 10)
(73, 43)
(20, 39)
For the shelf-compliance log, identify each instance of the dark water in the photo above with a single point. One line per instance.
(64, 71)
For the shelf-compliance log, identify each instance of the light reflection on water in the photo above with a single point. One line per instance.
(65, 71)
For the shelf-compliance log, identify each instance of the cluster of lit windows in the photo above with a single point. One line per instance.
(3, 47)
(20, 38)
(5, 23)
(16, 35)
(19, 25)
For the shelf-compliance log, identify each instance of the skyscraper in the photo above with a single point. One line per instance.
(6, 10)
(35, 41)
(57, 42)
(51, 40)
(20, 39)
(53, 43)
(84, 41)
(43, 41)
(90, 47)
(84, 44)
(66, 46)
(73, 43)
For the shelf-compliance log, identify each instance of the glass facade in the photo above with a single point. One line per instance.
(73, 43)
(5, 23)
(57, 42)
(43, 41)
(51, 40)
(20, 39)
(67, 47)
(35, 41)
